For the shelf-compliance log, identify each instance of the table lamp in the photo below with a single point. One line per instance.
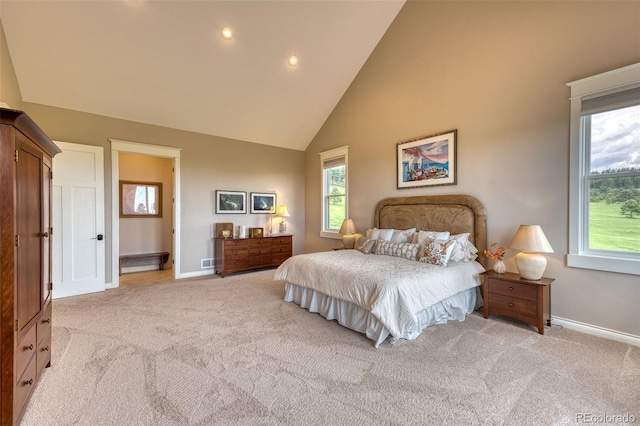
(348, 230)
(282, 213)
(532, 241)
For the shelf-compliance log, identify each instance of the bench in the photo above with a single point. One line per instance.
(139, 259)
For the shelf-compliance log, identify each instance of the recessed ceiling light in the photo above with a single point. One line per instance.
(227, 33)
(293, 60)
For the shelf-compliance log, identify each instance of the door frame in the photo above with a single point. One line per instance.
(118, 146)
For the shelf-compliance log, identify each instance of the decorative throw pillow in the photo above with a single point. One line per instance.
(459, 253)
(422, 236)
(365, 245)
(379, 234)
(405, 250)
(403, 236)
(437, 252)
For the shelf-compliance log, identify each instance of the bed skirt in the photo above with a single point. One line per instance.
(361, 320)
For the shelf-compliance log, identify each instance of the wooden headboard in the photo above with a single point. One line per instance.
(453, 213)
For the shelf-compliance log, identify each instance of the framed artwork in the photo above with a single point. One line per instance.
(428, 161)
(140, 199)
(263, 202)
(231, 202)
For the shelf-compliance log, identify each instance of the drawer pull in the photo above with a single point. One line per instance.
(29, 348)
(46, 321)
(45, 349)
(510, 288)
(28, 382)
(511, 305)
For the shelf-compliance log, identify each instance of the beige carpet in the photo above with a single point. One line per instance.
(231, 352)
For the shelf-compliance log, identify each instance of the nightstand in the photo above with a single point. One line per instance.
(526, 300)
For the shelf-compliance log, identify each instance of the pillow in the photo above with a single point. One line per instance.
(437, 252)
(379, 234)
(404, 250)
(365, 245)
(422, 236)
(459, 253)
(403, 236)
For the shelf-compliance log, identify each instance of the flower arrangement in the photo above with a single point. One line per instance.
(494, 255)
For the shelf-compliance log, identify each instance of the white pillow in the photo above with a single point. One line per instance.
(379, 234)
(437, 252)
(422, 236)
(459, 253)
(403, 236)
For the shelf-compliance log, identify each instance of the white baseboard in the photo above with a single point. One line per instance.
(196, 274)
(596, 331)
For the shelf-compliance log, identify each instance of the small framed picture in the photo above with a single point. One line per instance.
(428, 161)
(256, 232)
(263, 202)
(231, 202)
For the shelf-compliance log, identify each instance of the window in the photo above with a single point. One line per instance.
(334, 190)
(604, 201)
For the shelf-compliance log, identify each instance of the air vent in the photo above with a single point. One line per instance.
(206, 263)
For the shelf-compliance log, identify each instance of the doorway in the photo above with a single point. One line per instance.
(172, 206)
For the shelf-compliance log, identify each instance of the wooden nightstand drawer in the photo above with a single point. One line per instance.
(511, 289)
(513, 307)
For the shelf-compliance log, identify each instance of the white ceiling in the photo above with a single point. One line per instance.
(165, 63)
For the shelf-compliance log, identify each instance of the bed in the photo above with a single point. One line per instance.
(395, 296)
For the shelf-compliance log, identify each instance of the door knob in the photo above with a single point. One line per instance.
(100, 237)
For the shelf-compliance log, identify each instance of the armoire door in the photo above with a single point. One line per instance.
(29, 238)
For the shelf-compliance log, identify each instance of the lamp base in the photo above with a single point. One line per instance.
(282, 228)
(349, 241)
(531, 266)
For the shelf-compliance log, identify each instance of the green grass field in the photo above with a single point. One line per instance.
(609, 230)
(336, 215)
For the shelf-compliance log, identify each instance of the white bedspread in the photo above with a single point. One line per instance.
(393, 289)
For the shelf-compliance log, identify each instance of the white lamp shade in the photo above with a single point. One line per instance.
(283, 212)
(348, 227)
(532, 241)
(530, 238)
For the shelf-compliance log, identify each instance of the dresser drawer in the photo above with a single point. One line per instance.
(513, 307)
(259, 242)
(232, 265)
(258, 251)
(25, 351)
(282, 241)
(258, 261)
(43, 356)
(43, 327)
(25, 386)
(240, 244)
(277, 259)
(521, 291)
(281, 249)
(236, 254)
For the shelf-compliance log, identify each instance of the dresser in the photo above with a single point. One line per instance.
(242, 254)
(526, 300)
(25, 257)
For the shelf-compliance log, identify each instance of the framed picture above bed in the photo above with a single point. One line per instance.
(428, 161)
(231, 202)
(263, 202)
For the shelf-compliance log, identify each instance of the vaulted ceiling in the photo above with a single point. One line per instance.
(166, 63)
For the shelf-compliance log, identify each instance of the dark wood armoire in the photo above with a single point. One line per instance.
(25, 259)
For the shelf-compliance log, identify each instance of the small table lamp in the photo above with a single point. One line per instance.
(532, 241)
(282, 213)
(348, 230)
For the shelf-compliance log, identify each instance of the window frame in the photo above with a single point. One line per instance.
(580, 256)
(326, 156)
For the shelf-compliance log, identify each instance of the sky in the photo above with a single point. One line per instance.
(615, 139)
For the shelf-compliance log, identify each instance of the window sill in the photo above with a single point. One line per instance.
(608, 264)
(332, 235)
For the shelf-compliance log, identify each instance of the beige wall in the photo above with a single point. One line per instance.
(147, 234)
(207, 163)
(9, 88)
(496, 72)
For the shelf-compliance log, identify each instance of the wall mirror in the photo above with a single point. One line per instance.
(140, 199)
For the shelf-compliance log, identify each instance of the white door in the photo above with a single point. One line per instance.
(78, 220)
